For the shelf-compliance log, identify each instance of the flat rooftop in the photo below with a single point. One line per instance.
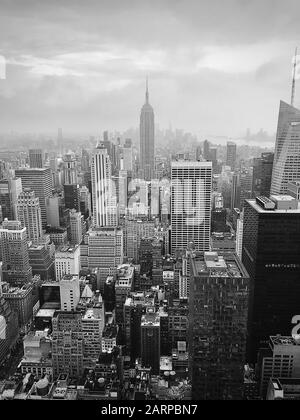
(190, 164)
(260, 209)
(217, 265)
(45, 313)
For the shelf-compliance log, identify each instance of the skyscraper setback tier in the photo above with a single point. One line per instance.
(271, 255)
(218, 307)
(191, 204)
(147, 140)
(286, 167)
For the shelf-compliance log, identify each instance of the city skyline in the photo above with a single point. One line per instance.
(149, 202)
(82, 80)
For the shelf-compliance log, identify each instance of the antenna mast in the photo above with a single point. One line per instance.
(294, 78)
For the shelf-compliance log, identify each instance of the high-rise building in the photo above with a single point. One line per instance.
(218, 307)
(72, 196)
(239, 235)
(150, 339)
(76, 221)
(134, 231)
(35, 158)
(124, 285)
(67, 344)
(262, 175)
(9, 330)
(206, 150)
(293, 189)
(55, 210)
(231, 155)
(93, 323)
(40, 181)
(67, 261)
(279, 359)
(103, 194)
(127, 155)
(70, 169)
(85, 202)
(69, 292)
(29, 214)
(271, 249)
(235, 191)
(9, 192)
(147, 139)
(42, 259)
(102, 249)
(14, 250)
(134, 307)
(286, 166)
(191, 204)
(21, 300)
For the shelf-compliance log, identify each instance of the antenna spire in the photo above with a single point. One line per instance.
(147, 92)
(294, 78)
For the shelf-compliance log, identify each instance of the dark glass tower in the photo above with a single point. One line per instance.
(218, 307)
(271, 255)
(262, 174)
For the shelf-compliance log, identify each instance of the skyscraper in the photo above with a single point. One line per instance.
(76, 222)
(102, 249)
(270, 253)
(35, 158)
(147, 139)
(9, 191)
(262, 175)
(231, 155)
(40, 181)
(103, 194)
(14, 250)
(218, 308)
(286, 166)
(69, 292)
(67, 344)
(150, 340)
(191, 204)
(70, 170)
(29, 214)
(9, 329)
(206, 150)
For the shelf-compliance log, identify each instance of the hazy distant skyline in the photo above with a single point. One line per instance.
(214, 67)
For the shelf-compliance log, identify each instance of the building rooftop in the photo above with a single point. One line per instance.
(280, 340)
(151, 318)
(43, 313)
(216, 265)
(283, 202)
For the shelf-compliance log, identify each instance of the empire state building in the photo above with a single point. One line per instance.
(147, 139)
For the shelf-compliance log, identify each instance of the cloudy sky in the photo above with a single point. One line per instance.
(214, 66)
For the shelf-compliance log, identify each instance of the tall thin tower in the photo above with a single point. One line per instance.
(294, 78)
(104, 196)
(147, 138)
(286, 166)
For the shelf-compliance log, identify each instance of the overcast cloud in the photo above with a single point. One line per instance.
(214, 67)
